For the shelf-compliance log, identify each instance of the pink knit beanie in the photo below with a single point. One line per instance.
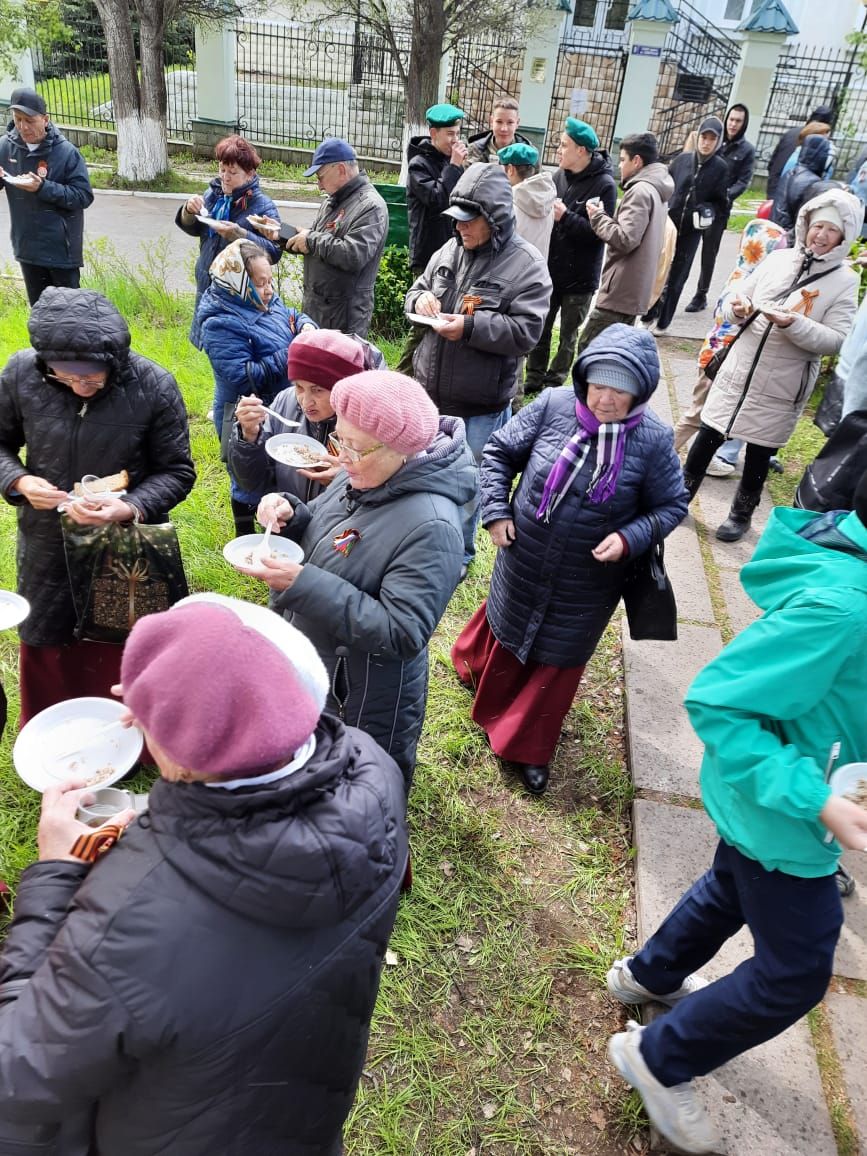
(224, 687)
(323, 356)
(390, 407)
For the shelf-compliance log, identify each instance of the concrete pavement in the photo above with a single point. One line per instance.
(769, 1102)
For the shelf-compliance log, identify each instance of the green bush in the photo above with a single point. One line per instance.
(392, 285)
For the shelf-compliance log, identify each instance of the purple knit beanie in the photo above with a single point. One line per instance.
(323, 356)
(390, 407)
(224, 687)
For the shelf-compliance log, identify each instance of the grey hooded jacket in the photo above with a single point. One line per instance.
(370, 611)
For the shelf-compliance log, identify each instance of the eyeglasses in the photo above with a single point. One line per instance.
(348, 452)
(77, 378)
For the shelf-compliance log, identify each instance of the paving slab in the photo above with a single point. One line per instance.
(740, 607)
(849, 1028)
(711, 507)
(851, 958)
(664, 752)
(686, 571)
(684, 374)
(660, 402)
(768, 1102)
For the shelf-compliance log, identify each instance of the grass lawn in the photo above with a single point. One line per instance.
(490, 1030)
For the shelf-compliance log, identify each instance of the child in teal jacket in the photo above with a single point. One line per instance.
(771, 709)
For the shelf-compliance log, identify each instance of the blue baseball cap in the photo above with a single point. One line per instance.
(330, 152)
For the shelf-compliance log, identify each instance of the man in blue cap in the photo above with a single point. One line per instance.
(343, 247)
(575, 255)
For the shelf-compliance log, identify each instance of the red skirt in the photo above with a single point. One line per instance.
(519, 705)
(51, 674)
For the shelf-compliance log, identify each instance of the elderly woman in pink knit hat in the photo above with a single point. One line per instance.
(383, 549)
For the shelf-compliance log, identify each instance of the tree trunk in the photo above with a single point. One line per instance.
(428, 38)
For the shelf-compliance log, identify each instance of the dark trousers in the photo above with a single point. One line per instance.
(597, 323)
(688, 241)
(39, 277)
(757, 459)
(573, 308)
(795, 924)
(710, 243)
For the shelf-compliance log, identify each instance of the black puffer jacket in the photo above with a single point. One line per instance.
(210, 989)
(370, 612)
(48, 225)
(137, 423)
(802, 182)
(550, 599)
(575, 254)
(431, 176)
(697, 184)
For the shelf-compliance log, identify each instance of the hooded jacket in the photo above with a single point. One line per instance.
(772, 704)
(481, 147)
(509, 289)
(344, 248)
(208, 985)
(550, 599)
(370, 609)
(137, 423)
(534, 210)
(801, 183)
(698, 182)
(634, 236)
(765, 381)
(431, 176)
(247, 201)
(787, 144)
(738, 154)
(575, 255)
(47, 227)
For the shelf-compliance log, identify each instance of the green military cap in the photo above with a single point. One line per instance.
(518, 154)
(582, 133)
(444, 115)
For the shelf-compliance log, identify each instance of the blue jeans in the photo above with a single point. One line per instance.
(795, 924)
(478, 431)
(730, 451)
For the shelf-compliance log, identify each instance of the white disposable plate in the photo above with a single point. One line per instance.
(13, 609)
(236, 551)
(274, 444)
(210, 221)
(59, 728)
(421, 319)
(847, 777)
(22, 179)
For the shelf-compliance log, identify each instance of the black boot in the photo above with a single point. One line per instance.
(740, 514)
(535, 778)
(698, 303)
(692, 483)
(242, 516)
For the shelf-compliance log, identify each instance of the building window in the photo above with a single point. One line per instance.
(584, 15)
(615, 18)
(738, 9)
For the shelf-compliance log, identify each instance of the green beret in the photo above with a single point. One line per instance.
(518, 154)
(444, 115)
(581, 133)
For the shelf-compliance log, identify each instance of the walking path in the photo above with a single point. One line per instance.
(771, 1100)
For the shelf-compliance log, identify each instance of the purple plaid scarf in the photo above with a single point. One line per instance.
(610, 448)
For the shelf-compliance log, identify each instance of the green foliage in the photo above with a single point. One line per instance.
(32, 24)
(392, 285)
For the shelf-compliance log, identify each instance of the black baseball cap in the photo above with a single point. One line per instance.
(28, 101)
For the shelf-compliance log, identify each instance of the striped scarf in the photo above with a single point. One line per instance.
(610, 450)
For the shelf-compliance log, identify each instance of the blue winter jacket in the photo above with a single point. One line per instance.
(246, 201)
(549, 599)
(48, 225)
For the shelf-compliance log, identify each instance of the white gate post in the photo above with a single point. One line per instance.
(650, 22)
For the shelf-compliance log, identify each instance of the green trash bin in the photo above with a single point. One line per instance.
(398, 224)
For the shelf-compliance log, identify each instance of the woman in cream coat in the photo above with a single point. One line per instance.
(805, 300)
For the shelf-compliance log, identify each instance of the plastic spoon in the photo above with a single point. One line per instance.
(280, 417)
(88, 742)
(263, 548)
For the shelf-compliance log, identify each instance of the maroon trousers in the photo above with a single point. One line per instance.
(51, 674)
(519, 705)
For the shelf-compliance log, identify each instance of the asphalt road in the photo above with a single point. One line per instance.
(134, 224)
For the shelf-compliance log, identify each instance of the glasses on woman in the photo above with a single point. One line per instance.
(351, 455)
(77, 378)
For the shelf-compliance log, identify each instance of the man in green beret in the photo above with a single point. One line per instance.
(436, 161)
(575, 253)
(503, 132)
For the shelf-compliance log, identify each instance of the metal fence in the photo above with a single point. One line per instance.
(805, 79)
(481, 71)
(73, 78)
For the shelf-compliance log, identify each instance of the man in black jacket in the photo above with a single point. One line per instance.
(48, 189)
(575, 253)
(740, 156)
(435, 166)
(787, 144)
(700, 196)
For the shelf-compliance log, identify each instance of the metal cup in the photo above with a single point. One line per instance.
(107, 801)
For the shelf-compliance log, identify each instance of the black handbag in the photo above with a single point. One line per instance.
(830, 480)
(648, 596)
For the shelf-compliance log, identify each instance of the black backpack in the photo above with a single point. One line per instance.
(829, 481)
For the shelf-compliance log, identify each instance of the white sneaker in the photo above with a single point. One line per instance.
(720, 468)
(675, 1112)
(210, 415)
(624, 986)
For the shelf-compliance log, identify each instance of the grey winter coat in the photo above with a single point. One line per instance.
(477, 374)
(345, 245)
(137, 422)
(634, 237)
(207, 987)
(47, 227)
(550, 599)
(767, 378)
(370, 613)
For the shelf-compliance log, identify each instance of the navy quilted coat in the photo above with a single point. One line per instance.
(550, 599)
(210, 989)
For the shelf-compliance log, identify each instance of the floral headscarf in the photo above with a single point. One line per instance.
(227, 270)
(758, 239)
